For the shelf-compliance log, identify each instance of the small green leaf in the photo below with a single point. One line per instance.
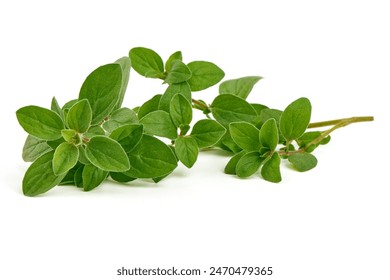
(245, 135)
(149, 106)
(40, 122)
(227, 108)
(248, 164)
(92, 177)
(119, 118)
(258, 108)
(102, 88)
(175, 56)
(271, 169)
(94, 130)
(267, 114)
(159, 123)
(147, 63)
(240, 87)
(269, 135)
(82, 157)
(230, 167)
(172, 90)
(204, 75)
(207, 133)
(303, 161)
(79, 116)
(78, 177)
(180, 110)
(187, 150)
(128, 136)
(55, 107)
(65, 157)
(121, 177)
(39, 177)
(295, 119)
(227, 143)
(151, 158)
(69, 177)
(125, 64)
(71, 136)
(69, 104)
(33, 148)
(178, 73)
(107, 154)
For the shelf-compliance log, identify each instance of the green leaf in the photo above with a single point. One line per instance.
(180, 110)
(149, 106)
(65, 157)
(303, 161)
(55, 107)
(39, 177)
(69, 177)
(227, 143)
(151, 158)
(102, 88)
(128, 136)
(230, 167)
(94, 130)
(295, 119)
(240, 87)
(69, 104)
(125, 64)
(204, 75)
(78, 176)
(258, 108)
(172, 90)
(79, 116)
(121, 177)
(82, 157)
(70, 135)
(207, 133)
(175, 56)
(267, 114)
(147, 62)
(92, 177)
(248, 164)
(40, 122)
(178, 73)
(107, 154)
(269, 135)
(187, 150)
(245, 135)
(33, 148)
(271, 169)
(227, 108)
(55, 143)
(119, 118)
(159, 123)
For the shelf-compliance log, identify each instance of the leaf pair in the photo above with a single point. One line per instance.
(199, 74)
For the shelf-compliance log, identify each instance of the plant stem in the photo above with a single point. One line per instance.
(335, 122)
(200, 104)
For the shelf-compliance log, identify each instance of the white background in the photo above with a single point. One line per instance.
(329, 223)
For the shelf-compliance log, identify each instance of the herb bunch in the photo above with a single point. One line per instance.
(93, 138)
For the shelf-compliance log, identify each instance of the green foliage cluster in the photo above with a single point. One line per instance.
(93, 138)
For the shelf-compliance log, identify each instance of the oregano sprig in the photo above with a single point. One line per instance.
(93, 138)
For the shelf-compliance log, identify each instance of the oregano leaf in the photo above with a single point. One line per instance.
(119, 118)
(40, 122)
(128, 136)
(102, 88)
(178, 72)
(231, 166)
(269, 135)
(33, 148)
(107, 154)
(147, 62)
(245, 135)
(159, 123)
(149, 106)
(240, 87)
(204, 75)
(248, 164)
(180, 110)
(65, 157)
(92, 177)
(175, 56)
(207, 133)
(303, 161)
(39, 177)
(227, 108)
(271, 169)
(151, 158)
(79, 116)
(171, 91)
(295, 119)
(125, 64)
(187, 150)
